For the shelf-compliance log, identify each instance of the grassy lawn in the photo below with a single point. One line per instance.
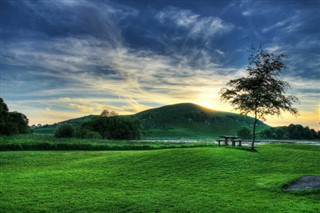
(167, 180)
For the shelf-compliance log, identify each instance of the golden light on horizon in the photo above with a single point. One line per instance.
(207, 104)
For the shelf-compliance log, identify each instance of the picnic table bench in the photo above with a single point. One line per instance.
(226, 139)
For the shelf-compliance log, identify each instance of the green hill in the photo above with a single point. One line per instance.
(184, 120)
(189, 120)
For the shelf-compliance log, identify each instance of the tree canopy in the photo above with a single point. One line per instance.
(3, 107)
(65, 131)
(244, 133)
(107, 113)
(293, 131)
(115, 127)
(12, 122)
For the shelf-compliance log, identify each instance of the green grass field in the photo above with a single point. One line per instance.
(167, 180)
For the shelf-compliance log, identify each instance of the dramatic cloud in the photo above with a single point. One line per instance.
(63, 59)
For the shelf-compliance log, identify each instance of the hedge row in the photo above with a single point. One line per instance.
(87, 146)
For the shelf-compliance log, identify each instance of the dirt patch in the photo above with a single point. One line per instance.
(306, 182)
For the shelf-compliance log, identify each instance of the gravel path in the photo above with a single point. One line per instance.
(306, 182)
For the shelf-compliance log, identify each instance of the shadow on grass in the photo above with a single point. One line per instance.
(244, 148)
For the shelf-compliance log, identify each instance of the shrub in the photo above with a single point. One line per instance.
(65, 131)
(93, 135)
(86, 133)
(244, 133)
(115, 127)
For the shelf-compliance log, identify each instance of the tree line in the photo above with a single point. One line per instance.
(102, 127)
(106, 126)
(293, 131)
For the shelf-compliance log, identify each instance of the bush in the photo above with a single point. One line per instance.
(86, 133)
(244, 133)
(93, 135)
(115, 127)
(65, 131)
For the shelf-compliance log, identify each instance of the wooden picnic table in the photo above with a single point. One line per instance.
(231, 138)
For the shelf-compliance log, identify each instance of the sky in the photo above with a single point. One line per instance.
(62, 59)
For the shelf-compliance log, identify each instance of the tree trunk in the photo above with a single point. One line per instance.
(254, 131)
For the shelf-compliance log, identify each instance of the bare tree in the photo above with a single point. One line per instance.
(107, 113)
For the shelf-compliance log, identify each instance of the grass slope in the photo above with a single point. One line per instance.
(170, 180)
(184, 120)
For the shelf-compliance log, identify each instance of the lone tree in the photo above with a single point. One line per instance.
(261, 92)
